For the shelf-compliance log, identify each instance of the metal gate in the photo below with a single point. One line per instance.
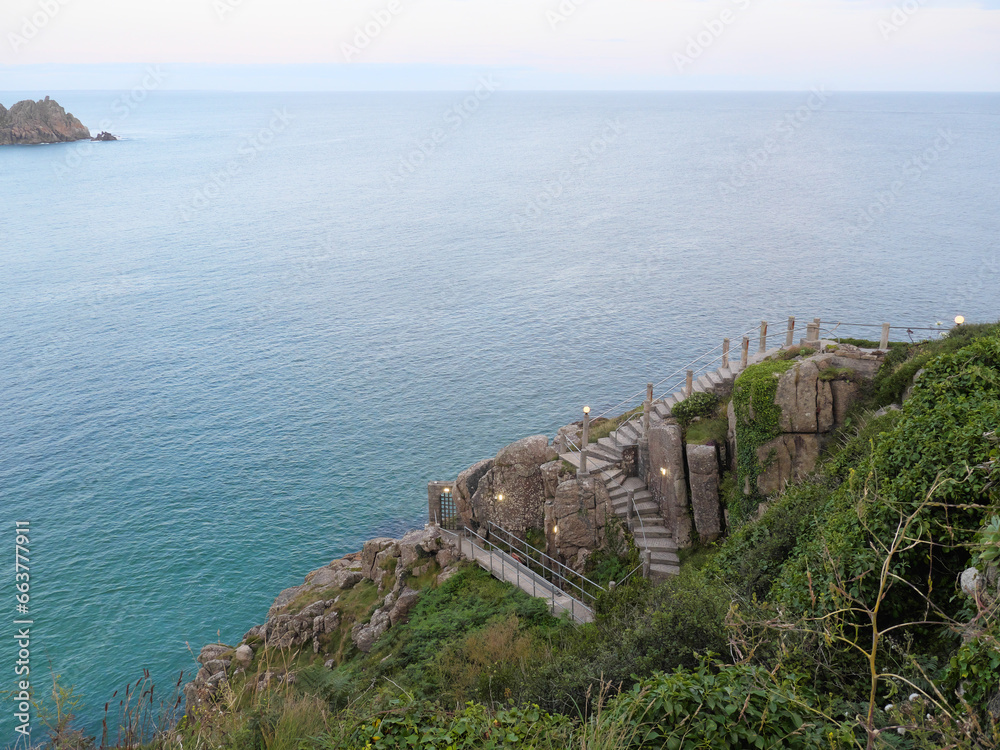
(449, 514)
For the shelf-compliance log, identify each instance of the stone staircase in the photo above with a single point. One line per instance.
(649, 528)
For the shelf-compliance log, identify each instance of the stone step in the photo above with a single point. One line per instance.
(628, 434)
(714, 378)
(664, 558)
(651, 532)
(664, 571)
(665, 544)
(594, 464)
(634, 483)
(662, 410)
(726, 373)
(610, 444)
(604, 453)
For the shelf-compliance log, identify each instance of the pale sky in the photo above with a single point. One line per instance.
(937, 45)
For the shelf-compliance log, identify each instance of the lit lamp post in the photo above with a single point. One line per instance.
(585, 442)
(959, 319)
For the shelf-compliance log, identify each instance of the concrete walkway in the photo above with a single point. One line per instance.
(505, 568)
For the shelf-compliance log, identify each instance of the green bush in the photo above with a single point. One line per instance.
(724, 706)
(694, 406)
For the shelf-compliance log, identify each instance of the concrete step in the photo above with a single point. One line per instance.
(663, 544)
(714, 378)
(604, 453)
(660, 571)
(628, 434)
(651, 532)
(594, 464)
(661, 410)
(610, 444)
(634, 484)
(726, 373)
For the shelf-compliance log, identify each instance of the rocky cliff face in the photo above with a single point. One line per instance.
(29, 123)
(318, 617)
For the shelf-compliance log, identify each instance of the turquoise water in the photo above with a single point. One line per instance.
(236, 344)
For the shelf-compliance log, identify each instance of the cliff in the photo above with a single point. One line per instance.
(45, 121)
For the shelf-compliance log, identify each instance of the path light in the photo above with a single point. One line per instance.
(555, 529)
(586, 410)
(959, 319)
(500, 498)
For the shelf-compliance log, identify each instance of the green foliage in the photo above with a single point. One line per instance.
(694, 406)
(988, 542)
(837, 373)
(425, 725)
(975, 669)
(757, 419)
(708, 431)
(725, 706)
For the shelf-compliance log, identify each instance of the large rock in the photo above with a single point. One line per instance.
(369, 553)
(29, 122)
(512, 493)
(466, 486)
(579, 516)
(703, 467)
(806, 402)
(421, 543)
(364, 636)
(406, 600)
(550, 478)
(787, 458)
(667, 479)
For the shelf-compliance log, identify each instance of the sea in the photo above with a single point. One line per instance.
(239, 341)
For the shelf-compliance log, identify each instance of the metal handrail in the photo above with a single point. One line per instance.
(637, 567)
(552, 559)
(534, 577)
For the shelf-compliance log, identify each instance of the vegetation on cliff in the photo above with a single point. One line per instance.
(843, 615)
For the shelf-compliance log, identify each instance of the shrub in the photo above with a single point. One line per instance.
(724, 706)
(695, 405)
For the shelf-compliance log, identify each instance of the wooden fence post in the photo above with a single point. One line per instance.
(763, 337)
(884, 344)
(725, 353)
(745, 353)
(790, 337)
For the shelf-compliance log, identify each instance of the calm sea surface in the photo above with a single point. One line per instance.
(239, 342)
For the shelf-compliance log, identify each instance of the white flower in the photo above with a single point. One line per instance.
(888, 707)
(913, 696)
(900, 730)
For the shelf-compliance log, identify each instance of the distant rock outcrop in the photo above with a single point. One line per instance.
(45, 121)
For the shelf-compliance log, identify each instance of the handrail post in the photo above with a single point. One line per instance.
(790, 336)
(585, 443)
(745, 353)
(725, 353)
(689, 385)
(817, 325)
(647, 563)
(646, 406)
(884, 343)
(763, 337)
(629, 510)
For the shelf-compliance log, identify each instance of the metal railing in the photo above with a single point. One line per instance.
(501, 562)
(548, 563)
